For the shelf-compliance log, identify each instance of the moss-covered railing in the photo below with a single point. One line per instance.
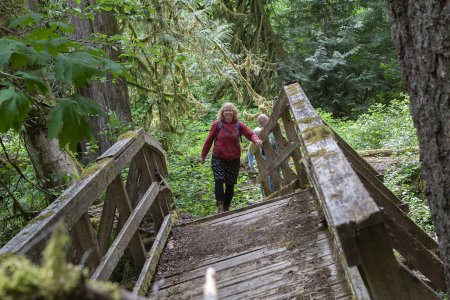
(366, 219)
(144, 195)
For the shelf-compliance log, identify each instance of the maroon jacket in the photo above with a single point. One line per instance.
(226, 145)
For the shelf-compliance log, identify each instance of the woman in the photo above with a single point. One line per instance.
(225, 132)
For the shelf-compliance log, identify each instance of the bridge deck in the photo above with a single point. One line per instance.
(276, 250)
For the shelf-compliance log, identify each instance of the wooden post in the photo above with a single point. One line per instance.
(281, 142)
(292, 137)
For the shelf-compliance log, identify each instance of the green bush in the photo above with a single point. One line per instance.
(381, 127)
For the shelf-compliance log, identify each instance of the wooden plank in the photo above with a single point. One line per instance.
(155, 146)
(395, 212)
(286, 190)
(151, 171)
(136, 245)
(148, 271)
(115, 252)
(72, 203)
(118, 148)
(275, 163)
(107, 219)
(288, 174)
(84, 238)
(428, 263)
(417, 288)
(271, 156)
(347, 202)
(303, 193)
(350, 152)
(292, 137)
(379, 265)
(262, 166)
(372, 182)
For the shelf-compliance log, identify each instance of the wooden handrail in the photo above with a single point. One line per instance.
(363, 232)
(146, 192)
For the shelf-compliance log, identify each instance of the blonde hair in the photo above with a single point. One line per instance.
(220, 115)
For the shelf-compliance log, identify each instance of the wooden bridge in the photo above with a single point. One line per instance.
(330, 230)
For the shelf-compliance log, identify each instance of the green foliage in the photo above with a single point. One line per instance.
(340, 51)
(14, 107)
(192, 182)
(41, 55)
(405, 181)
(383, 126)
(69, 122)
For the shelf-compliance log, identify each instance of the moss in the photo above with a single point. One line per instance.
(94, 167)
(21, 279)
(127, 135)
(317, 133)
(41, 217)
(299, 104)
(319, 153)
(308, 120)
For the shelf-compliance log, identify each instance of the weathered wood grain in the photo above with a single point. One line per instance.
(288, 174)
(347, 202)
(275, 163)
(148, 271)
(115, 252)
(107, 218)
(84, 240)
(292, 137)
(379, 265)
(124, 207)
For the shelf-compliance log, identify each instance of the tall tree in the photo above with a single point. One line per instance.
(420, 30)
(111, 93)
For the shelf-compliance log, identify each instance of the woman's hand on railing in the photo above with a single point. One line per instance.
(258, 142)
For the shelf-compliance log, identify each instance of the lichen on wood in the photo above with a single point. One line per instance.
(317, 133)
(41, 217)
(308, 120)
(126, 135)
(94, 167)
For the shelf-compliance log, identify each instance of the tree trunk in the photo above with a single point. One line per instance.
(421, 32)
(53, 165)
(112, 93)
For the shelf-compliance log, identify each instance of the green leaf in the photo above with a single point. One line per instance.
(77, 68)
(69, 120)
(33, 80)
(64, 27)
(113, 67)
(14, 107)
(28, 19)
(8, 47)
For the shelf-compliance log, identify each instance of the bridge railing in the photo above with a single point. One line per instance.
(145, 194)
(366, 219)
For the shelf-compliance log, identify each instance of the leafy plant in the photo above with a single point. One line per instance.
(40, 57)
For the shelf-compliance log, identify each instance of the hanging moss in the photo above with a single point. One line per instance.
(317, 133)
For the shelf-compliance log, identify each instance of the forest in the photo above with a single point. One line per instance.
(75, 76)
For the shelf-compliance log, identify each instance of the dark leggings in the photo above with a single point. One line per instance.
(222, 195)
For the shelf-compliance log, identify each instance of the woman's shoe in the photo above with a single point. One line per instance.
(220, 207)
(226, 207)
